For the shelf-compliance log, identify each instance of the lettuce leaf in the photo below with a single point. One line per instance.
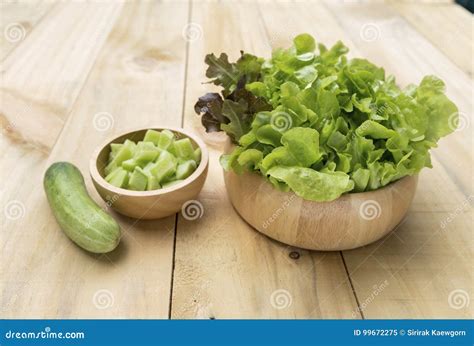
(312, 121)
(313, 185)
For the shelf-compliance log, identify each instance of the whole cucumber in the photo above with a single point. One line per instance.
(83, 221)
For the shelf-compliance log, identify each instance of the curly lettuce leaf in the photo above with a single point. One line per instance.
(313, 185)
(313, 121)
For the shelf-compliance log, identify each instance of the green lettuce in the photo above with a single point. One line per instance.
(316, 123)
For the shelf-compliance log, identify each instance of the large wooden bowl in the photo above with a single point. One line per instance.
(148, 204)
(351, 221)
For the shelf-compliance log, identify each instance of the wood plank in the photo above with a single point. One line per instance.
(224, 268)
(42, 77)
(413, 272)
(447, 26)
(426, 259)
(17, 20)
(137, 80)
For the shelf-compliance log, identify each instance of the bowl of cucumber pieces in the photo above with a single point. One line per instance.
(150, 173)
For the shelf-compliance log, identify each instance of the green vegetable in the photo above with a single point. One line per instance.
(155, 162)
(171, 183)
(118, 177)
(81, 219)
(138, 180)
(185, 169)
(166, 139)
(184, 149)
(310, 120)
(152, 136)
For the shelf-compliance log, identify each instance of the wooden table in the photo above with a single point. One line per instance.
(76, 73)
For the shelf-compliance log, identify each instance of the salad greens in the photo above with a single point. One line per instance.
(314, 122)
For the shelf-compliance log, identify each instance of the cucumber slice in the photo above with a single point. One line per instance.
(184, 149)
(172, 150)
(159, 160)
(197, 155)
(147, 168)
(152, 136)
(144, 157)
(185, 169)
(124, 153)
(130, 145)
(114, 148)
(171, 183)
(153, 183)
(144, 146)
(129, 164)
(165, 166)
(168, 178)
(138, 180)
(118, 177)
(146, 152)
(166, 139)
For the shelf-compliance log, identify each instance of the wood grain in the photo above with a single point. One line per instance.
(137, 79)
(85, 71)
(427, 251)
(447, 26)
(17, 20)
(223, 267)
(351, 221)
(40, 88)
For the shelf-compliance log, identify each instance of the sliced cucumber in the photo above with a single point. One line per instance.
(171, 183)
(197, 155)
(153, 183)
(152, 136)
(184, 149)
(138, 180)
(158, 160)
(166, 139)
(118, 177)
(185, 169)
(165, 166)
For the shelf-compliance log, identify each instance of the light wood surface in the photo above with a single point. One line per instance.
(84, 72)
(155, 204)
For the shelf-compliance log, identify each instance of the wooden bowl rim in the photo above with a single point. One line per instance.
(97, 177)
(360, 195)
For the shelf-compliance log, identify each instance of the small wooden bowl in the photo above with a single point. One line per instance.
(148, 204)
(351, 221)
